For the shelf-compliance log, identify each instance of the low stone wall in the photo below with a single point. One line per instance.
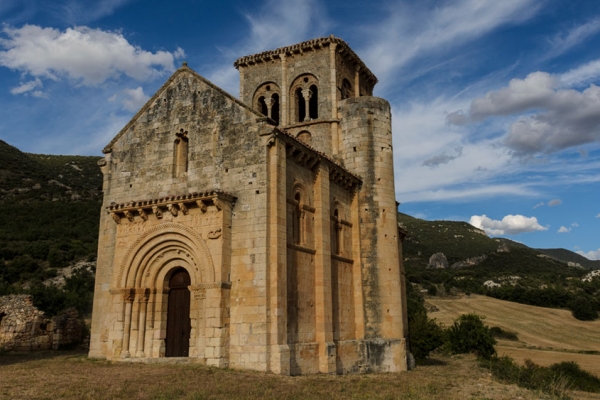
(23, 327)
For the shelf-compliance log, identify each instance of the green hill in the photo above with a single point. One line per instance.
(50, 211)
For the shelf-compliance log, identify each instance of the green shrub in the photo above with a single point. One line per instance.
(583, 309)
(425, 335)
(580, 379)
(468, 334)
(500, 333)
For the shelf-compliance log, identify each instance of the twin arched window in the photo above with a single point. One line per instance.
(305, 92)
(266, 100)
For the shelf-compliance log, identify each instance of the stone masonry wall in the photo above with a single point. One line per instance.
(23, 327)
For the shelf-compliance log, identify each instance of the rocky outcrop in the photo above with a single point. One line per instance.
(437, 261)
(469, 262)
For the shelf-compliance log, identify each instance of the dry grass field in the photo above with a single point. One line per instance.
(546, 335)
(54, 375)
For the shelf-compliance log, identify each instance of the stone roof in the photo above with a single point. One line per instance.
(299, 48)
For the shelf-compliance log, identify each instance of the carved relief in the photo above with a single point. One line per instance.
(214, 234)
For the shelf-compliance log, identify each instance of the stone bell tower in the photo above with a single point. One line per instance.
(320, 92)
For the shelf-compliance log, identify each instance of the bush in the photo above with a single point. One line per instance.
(468, 334)
(425, 335)
(583, 309)
(500, 333)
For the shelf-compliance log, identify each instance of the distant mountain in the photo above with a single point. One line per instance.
(464, 245)
(571, 257)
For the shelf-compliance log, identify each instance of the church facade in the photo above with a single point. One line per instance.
(259, 232)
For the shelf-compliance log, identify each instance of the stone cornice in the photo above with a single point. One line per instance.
(309, 45)
(173, 204)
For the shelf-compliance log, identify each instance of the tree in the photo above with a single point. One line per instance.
(583, 309)
(468, 334)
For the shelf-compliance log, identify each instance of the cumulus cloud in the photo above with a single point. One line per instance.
(554, 202)
(83, 55)
(134, 99)
(509, 225)
(564, 229)
(561, 118)
(442, 158)
(590, 255)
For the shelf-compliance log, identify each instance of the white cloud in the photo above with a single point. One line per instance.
(76, 11)
(542, 204)
(562, 43)
(598, 216)
(590, 255)
(554, 203)
(562, 118)
(575, 224)
(413, 30)
(564, 229)
(509, 225)
(26, 87)
(84, 55)
(134, 99)
(274, 24)
(583, 74)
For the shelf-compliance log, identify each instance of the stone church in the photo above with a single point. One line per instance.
(259, 232)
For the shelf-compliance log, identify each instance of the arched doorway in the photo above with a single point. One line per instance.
(178, 315)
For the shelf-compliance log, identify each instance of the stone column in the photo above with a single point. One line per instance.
(335, 140)
(323, 295)
(283, 115)
(128, 297)
(306, 94)
(269, 103)
(279, 351)
(144, 295)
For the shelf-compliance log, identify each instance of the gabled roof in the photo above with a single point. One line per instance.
(299, 48)
(184, 69)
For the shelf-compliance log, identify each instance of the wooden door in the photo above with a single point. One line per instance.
(178, 315)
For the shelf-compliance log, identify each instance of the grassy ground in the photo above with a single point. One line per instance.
(52, 375)
(546, 335)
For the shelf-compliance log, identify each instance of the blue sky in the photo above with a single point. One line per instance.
(496, 108)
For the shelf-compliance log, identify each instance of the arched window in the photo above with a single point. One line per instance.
(300, 105)
(305, 94)
(298, 217)
(275, 108)
(266, 101)
(180, 154)
(313, 102)
(346, 89)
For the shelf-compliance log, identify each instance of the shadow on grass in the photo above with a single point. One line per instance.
(18, 357)
(432, 361)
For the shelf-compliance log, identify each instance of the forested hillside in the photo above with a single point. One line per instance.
(49, 219)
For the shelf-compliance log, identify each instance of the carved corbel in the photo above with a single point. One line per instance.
(157, 212)
(201, 205)
(214, 234)
(183, 208)
(172, 209)
(116, 217)
(143, 214)
(129, 215)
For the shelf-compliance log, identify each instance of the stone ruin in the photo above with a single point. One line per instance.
(24, 328)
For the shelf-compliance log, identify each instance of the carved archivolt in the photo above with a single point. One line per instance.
(160, 245)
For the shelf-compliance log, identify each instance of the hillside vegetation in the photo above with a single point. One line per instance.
(51, 206)
(466, 260)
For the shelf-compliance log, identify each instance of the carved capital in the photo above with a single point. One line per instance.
(306, 94)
